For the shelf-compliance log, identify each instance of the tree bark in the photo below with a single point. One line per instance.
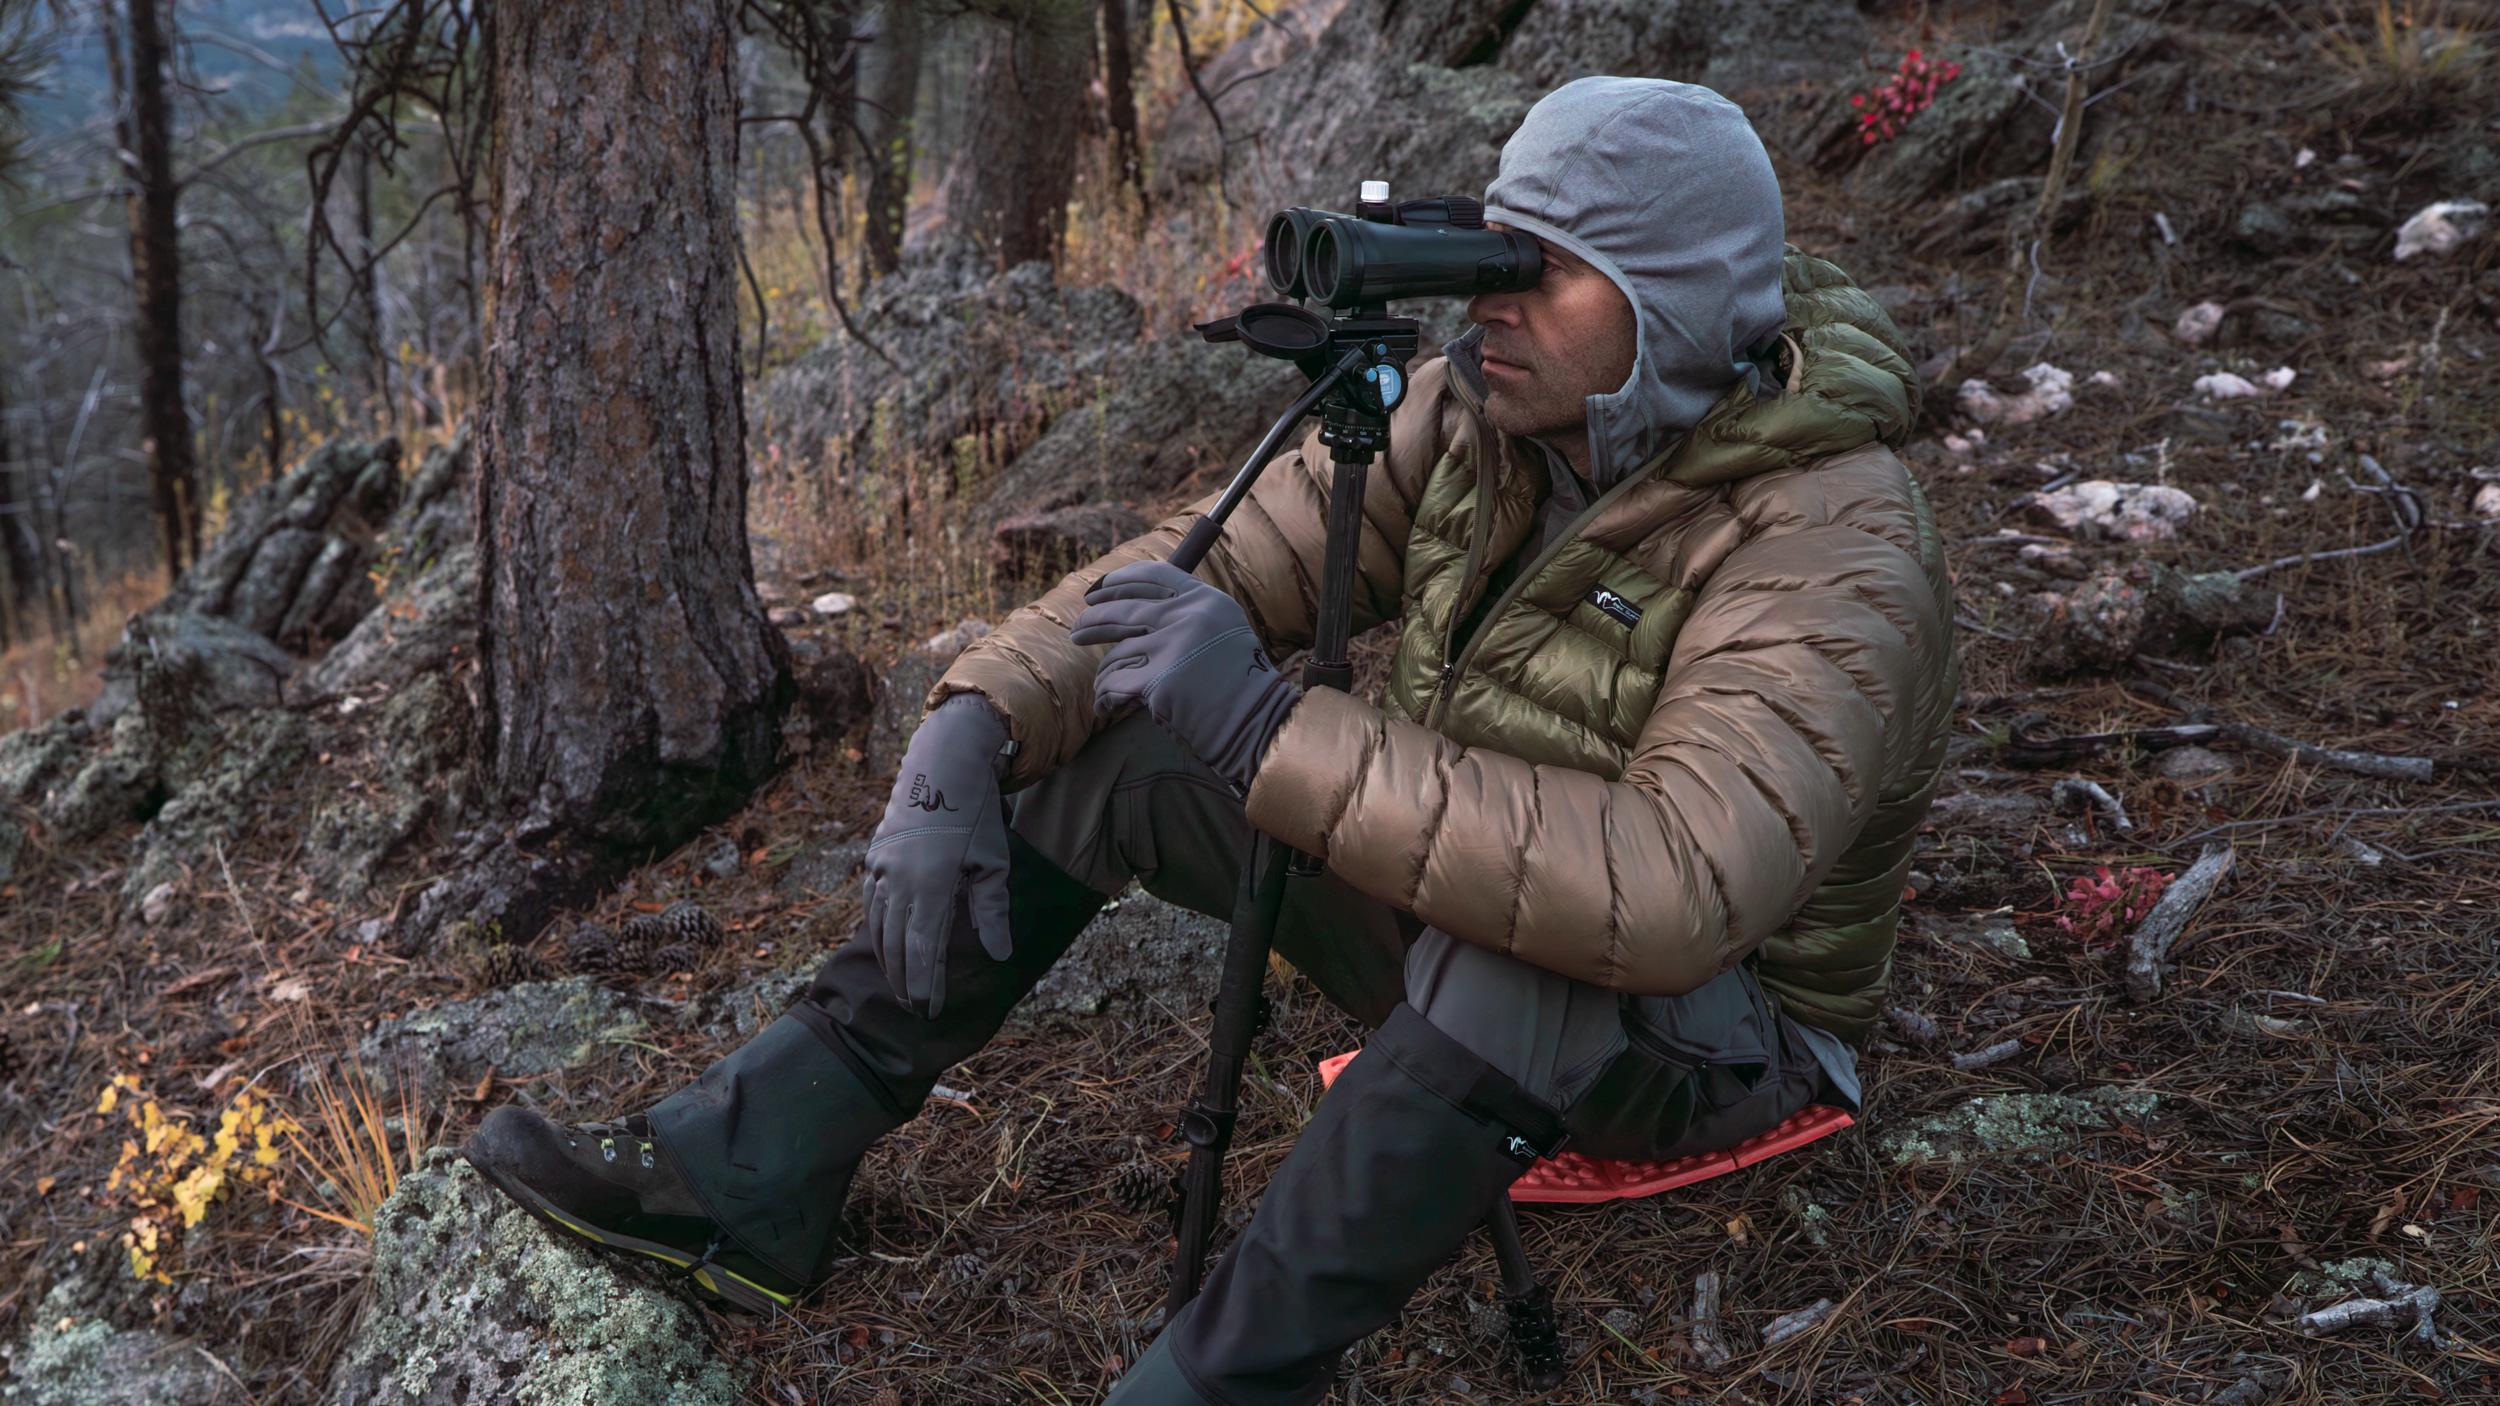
(631, 688)
(1008, 189)
(1120, 94)
(146, 130)
(891, 92)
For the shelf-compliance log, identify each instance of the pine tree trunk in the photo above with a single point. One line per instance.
(892, 92)
(156, 275)
(630, 686)
(1008, 190)
(1120, 94)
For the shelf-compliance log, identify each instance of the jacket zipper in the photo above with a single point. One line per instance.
(1450, 666)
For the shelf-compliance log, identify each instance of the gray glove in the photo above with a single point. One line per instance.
(943, 825)
(1186, 650)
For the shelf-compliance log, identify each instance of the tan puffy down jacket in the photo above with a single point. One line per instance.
(1638, 805)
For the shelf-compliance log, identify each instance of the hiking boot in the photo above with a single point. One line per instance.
(608, 1183)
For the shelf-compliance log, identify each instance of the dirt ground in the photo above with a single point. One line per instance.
(2317, 1087)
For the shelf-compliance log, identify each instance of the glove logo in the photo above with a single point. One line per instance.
(925, 796)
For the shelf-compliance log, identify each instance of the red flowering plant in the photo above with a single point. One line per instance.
(2101, 907)
(1882, 113)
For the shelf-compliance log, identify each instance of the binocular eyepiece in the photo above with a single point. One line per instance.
(1414, 249)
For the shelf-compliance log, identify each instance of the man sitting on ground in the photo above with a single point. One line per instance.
(1618, 858)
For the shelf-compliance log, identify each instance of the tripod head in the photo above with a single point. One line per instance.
(1356, 357)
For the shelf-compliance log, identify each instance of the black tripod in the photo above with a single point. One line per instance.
(1357, 366)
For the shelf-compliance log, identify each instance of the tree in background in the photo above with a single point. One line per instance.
(1016, 165)
(138, 40)
(631, 688)
(889, 95)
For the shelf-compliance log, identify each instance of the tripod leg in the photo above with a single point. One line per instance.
(1208, 1124)
(1530, 1305)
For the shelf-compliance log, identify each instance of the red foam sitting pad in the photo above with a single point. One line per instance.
(1585, 1181)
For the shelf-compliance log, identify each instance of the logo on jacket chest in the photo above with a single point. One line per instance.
(1615, 607)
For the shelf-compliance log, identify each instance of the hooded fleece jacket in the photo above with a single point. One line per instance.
(1693, 721)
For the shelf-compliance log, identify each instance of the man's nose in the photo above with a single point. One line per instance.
(1493, 307)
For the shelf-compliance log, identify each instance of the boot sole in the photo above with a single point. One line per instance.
(720, 1283)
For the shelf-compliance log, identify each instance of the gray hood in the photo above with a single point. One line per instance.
(1665, 188)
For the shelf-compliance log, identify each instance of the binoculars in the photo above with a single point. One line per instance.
(1414, 249)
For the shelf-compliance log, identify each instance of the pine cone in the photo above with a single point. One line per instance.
(506, 965)
(675, 957)
(593, 949)
(965, 1269)
(1058, 1170)
(1142, 1186)
(639, 941)
(688, 923)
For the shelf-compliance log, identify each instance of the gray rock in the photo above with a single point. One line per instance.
(113, 787)
(1166, 413)
(2142, 608)
(429, 569)
(835, 690)
(733, 1016)
(2019, 1127)
(202, 663)
(901, 693)
(1984, 932)
(2264, 229)
(956, 328)
(422, 733)
(69, 1358)
(291, 563)
(822, 869)
(2194, 768)
(537, 1027)
(33, 759)
(1049, 545)
(430, 622)
(474, 1302)
(1143, 955)
(2009, 815)
(214, 791)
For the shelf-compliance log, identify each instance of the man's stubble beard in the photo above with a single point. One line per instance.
(1540, 412)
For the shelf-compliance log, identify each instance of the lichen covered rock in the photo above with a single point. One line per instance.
(74, 1358)
(474, 1302)
(538, 1027)
(1140, 956)
(2019, 1127)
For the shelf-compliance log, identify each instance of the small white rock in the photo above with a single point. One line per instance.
(834, 603)
(2487, 502)
(2280, 378)
(2099, 509)
(2316, 487)
(2107, 379)
(2226, 385)
(2440, 227)
(2300, 162)
(2048, 390)
(2198, 324)
(158, 905)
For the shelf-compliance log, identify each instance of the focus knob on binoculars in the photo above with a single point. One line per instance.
(1435, 247)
